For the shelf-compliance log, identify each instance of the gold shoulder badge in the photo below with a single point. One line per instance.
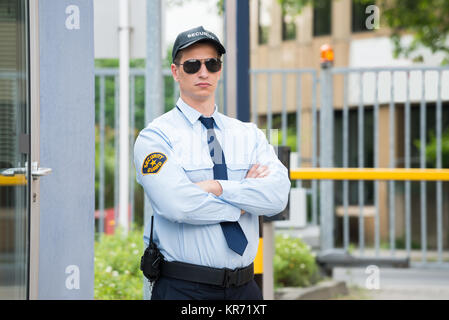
(153, 163)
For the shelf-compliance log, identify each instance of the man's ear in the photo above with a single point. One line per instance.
(174, 71)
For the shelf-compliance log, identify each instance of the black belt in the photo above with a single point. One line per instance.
(220, 277)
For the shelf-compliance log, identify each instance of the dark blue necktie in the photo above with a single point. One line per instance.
(232, 231)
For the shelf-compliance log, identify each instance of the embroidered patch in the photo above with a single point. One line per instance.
(153, 163)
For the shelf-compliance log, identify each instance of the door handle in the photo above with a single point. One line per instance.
(36, 172)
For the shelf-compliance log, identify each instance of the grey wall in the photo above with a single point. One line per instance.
(67, 115)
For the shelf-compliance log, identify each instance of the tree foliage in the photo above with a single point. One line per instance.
(426, 20)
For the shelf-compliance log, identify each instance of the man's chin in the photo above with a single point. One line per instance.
(203, 95)
(204, 91)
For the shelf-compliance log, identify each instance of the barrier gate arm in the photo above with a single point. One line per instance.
(396, 174)
(329, 259)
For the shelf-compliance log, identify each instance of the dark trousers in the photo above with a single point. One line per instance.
(173, 289)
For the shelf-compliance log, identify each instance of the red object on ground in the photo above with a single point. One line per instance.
(109, 219)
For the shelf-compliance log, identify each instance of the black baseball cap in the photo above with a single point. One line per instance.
(195, 35)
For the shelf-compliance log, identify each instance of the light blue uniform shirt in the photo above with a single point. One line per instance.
(186, 218)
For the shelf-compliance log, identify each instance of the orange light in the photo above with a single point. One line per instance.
(327, 54)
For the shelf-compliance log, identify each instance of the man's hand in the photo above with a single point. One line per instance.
(257, 171)
(213, 186)
(210, 186)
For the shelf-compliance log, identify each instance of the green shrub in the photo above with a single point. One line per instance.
(117, 262)
(431, 149)
(294, 263)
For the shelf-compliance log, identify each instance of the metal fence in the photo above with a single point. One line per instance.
(298, 76)
(363, 118)
(342, 117)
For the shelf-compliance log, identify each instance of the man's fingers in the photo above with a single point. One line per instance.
(202, 185)
(252, 173)
(257, 171)
(254, 168)
(262, 172)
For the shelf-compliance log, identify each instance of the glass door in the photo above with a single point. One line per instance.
(15, 164)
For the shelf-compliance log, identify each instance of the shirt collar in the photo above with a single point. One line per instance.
(193, 115)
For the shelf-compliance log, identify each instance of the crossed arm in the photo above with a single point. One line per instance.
(176, 198)
(213, 186)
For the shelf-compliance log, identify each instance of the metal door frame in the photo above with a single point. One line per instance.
(34, 222)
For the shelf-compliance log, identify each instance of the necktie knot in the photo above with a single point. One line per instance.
(207, 122)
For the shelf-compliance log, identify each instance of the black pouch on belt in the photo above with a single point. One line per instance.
(150, 262)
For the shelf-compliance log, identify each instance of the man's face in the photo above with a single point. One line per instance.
(201, 85)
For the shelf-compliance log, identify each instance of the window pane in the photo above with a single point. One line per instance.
(322, 17)
(359, 16)
(288, 26)
(264, 19)
(14, 149)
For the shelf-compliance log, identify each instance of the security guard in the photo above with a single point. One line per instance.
(208, 177)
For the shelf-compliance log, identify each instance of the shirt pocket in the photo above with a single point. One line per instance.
(237, 171)
(198, 172)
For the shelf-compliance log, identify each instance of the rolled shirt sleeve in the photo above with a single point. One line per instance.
(171, 193)
(260, 196)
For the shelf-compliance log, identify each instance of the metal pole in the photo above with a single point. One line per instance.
(345, 163)
(254, 102)
(231, 78)
(284, 109)
(131, 144)
(361, 163)
(153, 84)
(423, 194)
(314, 150)
(376, 163)
(224, 72)
(298, 124)
(153, 72)
(242, 70)
(124, 115)
(326, 160)
(102, 157)
(269, 107)
(439, 122)
(268, 254)
(116, 149)
(153, 68)
(407, 154)
(392, 153)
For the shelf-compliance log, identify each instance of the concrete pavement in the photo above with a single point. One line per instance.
(394, 284)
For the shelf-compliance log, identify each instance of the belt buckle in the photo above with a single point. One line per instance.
(230, 277)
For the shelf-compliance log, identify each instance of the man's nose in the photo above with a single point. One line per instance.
(203, 73)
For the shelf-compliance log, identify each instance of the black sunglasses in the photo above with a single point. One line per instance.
(194, 65)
